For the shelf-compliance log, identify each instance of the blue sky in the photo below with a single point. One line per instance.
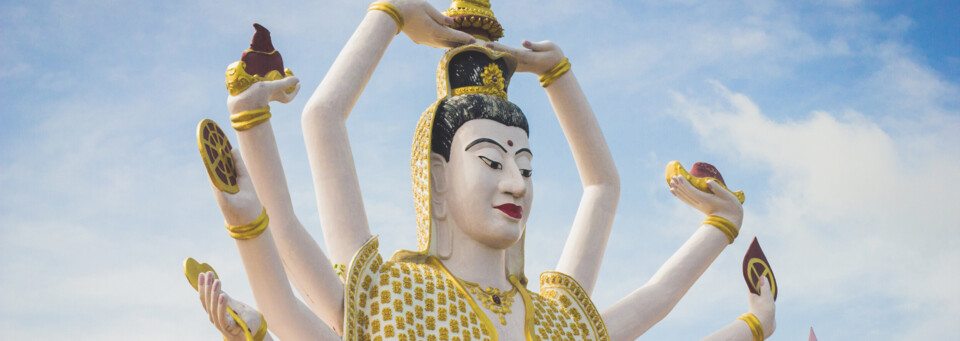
(839, 119)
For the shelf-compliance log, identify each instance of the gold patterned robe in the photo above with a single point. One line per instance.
(423, 301)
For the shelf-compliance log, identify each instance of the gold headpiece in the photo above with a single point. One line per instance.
(468, 69)
(475, 18)
(464, 70)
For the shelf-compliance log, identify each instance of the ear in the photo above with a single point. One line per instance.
(438, 186)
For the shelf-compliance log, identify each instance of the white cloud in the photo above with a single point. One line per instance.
(847, 214)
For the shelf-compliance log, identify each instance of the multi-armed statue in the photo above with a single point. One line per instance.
(473, 190)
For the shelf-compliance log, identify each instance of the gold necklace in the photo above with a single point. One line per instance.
(492, 298)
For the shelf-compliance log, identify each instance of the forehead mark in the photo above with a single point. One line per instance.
(510, 143)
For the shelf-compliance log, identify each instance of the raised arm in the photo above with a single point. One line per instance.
(248, 223)
(760, 319)
(635, 314)
(303, 260)
(585, 246)
(337, 188)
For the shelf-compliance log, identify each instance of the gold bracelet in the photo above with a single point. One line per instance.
(250, 230)
(248, 119)
(724, 226)
(559, 70)
(392, 11)
(754, 325)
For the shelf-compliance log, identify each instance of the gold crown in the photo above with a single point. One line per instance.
(476, 18)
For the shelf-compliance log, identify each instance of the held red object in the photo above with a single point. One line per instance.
(262, 57)
(755, 266)
(706, 170)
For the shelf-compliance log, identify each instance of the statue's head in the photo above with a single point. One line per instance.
(471, 157)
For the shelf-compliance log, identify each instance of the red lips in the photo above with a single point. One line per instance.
(511, 210)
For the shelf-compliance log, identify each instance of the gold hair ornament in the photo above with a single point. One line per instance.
(390, 10)
(724, 226)
(493, 83)
(192, 269)
(245, 120)
(250, 230)
(475, 14)
(755, 327)
(674, 168)
(559, 70)
(238, 80)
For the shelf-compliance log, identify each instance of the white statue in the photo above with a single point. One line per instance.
(472, 164)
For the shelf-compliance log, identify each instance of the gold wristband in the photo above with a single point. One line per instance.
(390, 10)
(250, 230)
(754, 325)
(559, 70)
(724, 226)
(248, 119)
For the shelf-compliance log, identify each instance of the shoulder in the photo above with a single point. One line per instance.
(561, 293)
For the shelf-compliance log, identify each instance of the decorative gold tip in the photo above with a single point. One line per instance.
(674, 168)
(474, 16)
(238, 80)
(192, 268)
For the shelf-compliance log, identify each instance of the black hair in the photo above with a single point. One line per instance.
(454, 112)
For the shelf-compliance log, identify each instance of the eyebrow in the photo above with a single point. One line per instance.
(484, 139)
(524, 150)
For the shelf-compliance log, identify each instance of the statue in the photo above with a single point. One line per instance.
(472, 175)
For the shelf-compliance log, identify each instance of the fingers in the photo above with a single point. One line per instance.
(281, 84)
(239, 165)
(685, 191)
(285, 97)
(452, 37)
(438, 17)
(721, 192)
(222, 323)
(202, 290)
(504, 48)
(540, 46)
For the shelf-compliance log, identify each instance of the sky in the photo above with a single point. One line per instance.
(840, 120)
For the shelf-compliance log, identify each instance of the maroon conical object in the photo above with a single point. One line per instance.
(259, 59)
(704, 170)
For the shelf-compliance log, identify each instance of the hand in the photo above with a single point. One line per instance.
(262, 93)
(539, 58)
(215, 303)
(720, 203)
(241, 207)
(425, 25)
(762, 306)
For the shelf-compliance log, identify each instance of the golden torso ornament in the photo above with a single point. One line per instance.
(423, 301)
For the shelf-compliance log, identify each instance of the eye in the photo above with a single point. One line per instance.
(491, 163)
(526, 172)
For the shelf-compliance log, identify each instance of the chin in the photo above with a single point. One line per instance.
(503, 236)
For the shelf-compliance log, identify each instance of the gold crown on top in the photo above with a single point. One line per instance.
(476, 18)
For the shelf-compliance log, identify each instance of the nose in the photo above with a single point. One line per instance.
(512, 183)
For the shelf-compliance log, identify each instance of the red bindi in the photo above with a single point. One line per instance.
(510, 143)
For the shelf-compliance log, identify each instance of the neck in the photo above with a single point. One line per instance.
(473, 261)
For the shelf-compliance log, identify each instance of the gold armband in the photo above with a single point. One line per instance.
(390, 10)
(754, 324)
(559, 70)
(250, 230)
(724, 226)
(248, 119)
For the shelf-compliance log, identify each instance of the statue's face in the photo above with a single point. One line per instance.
(489, 189)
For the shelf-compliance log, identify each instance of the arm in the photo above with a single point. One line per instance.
(635, 314)
(585, 246)
(337, 188)
(761, 306)
(287, 317)
(318, 284)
